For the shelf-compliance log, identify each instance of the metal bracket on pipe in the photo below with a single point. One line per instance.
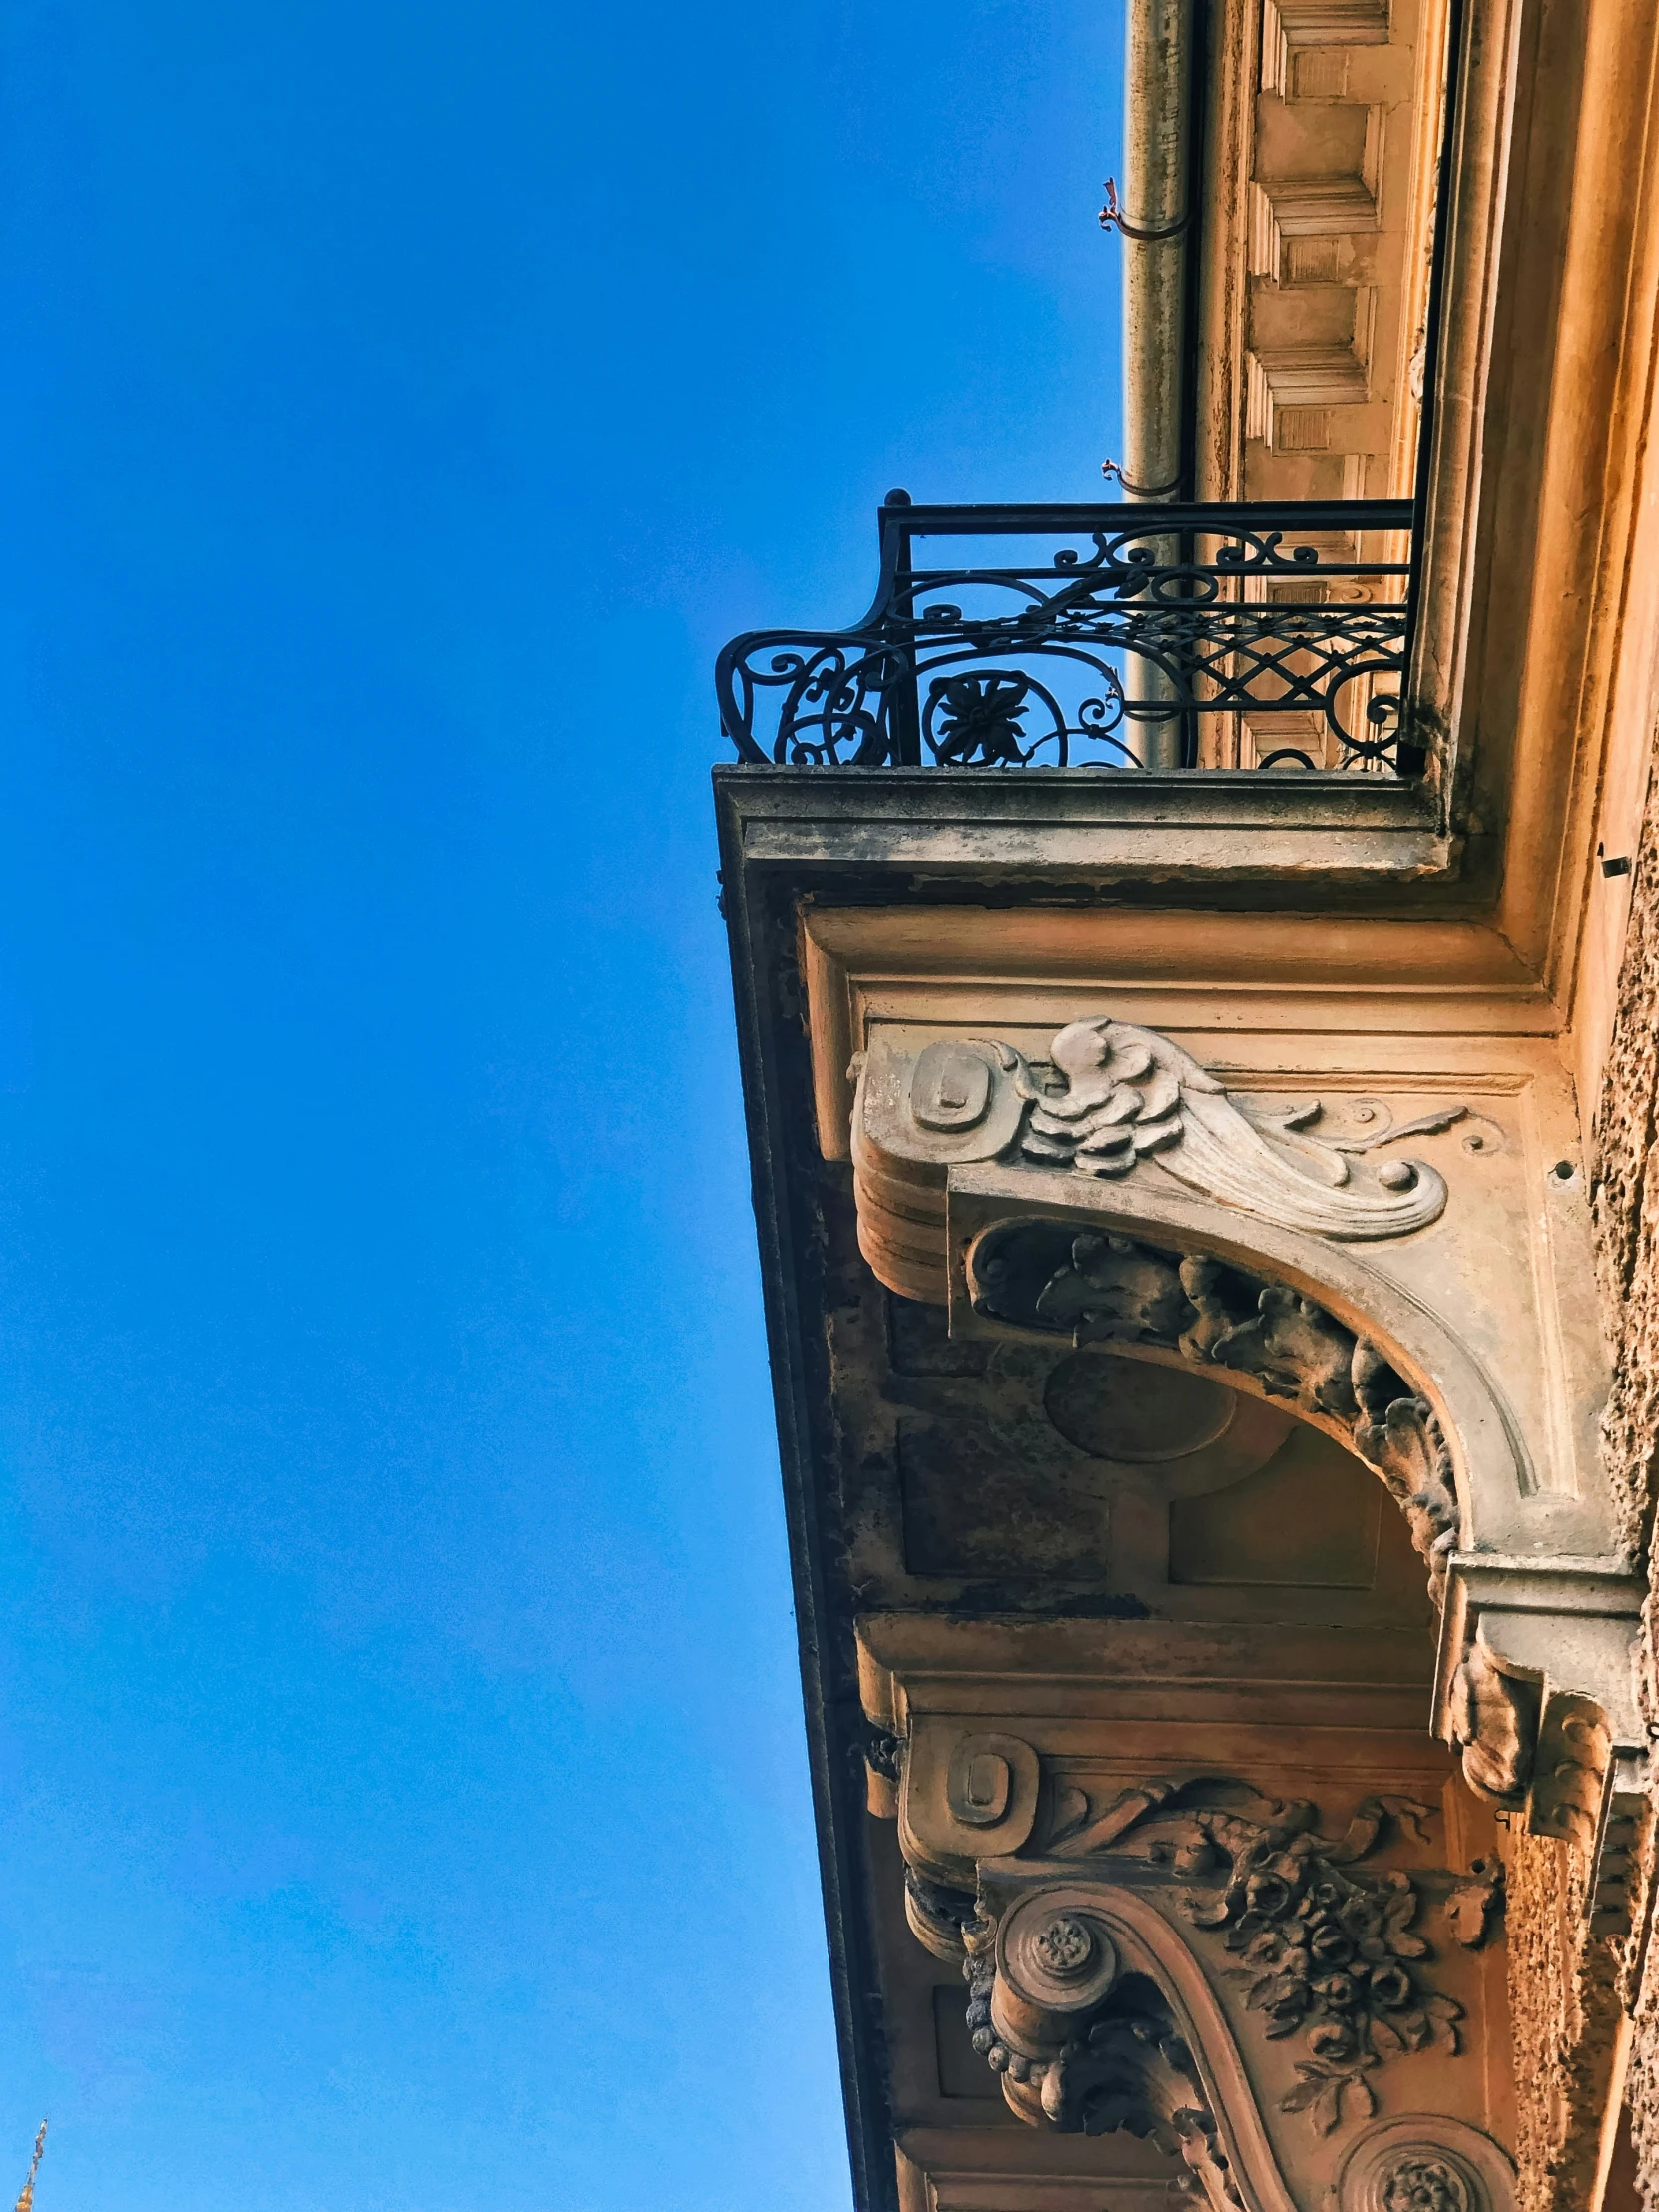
(1112, 217)
(1114, 471)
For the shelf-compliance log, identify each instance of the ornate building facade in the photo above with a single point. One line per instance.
(1196, 963)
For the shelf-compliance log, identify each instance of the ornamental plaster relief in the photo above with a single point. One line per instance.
(1339, 1174)
(1103, 1288)
(1196, 1960)
(1110, 1094)
(1037, 1561)
(1110, 1190)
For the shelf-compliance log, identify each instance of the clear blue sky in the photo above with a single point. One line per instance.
(404, 1796)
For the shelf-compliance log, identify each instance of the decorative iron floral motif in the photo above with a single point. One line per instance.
(976, 721)
(1176, 613)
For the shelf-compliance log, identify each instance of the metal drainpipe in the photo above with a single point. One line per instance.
(1157, 165)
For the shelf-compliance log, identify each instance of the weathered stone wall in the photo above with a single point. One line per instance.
(1564, 1996)
(1624, 1189)
(1642, 2078)
(1624, 1197)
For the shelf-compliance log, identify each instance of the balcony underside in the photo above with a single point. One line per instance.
(1091, 827)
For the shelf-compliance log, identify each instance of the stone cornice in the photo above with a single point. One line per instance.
(1538, 608)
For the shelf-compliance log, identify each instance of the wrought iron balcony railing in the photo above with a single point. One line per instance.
(1259, 635)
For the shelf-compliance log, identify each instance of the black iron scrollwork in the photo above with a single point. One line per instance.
(1283, 617)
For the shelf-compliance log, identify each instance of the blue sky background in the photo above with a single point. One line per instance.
(402, 1801)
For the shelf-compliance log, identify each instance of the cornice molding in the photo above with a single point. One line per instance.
(1539, 596)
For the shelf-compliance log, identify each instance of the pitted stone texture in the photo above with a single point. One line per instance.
(1624, 1199)
(1565, 1998)
(1641, 1996)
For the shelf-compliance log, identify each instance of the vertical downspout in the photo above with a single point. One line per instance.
(1157, 223)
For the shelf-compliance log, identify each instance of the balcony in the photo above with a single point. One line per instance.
(1159, 637)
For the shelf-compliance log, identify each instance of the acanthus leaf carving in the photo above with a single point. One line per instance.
(1100, 1287)
(1078, 1838)
(1404, 1445)
(1331, 2090)
(1112, 1095)
(1071, 1811)
(1494, 1725)
(1114, 1287)
(1288, 1343)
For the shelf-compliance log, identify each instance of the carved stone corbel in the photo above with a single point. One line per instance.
(1117, 1193)
(1088, 1999)
(1536, 1688)
(1538, 1715)
(1121, 1121)
(1083, 2044)
(1542, 1711)
(1085, 2004)
(1090, 2009)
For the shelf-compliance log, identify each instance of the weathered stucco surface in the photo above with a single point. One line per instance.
(1625, 1203)
(1625, 1206)
(1564, 1996)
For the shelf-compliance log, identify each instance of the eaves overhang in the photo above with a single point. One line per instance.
(794, 841)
